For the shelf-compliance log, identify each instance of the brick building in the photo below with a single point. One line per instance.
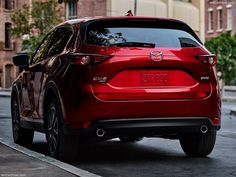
(7, 71)
(220, 17)
(190, 11)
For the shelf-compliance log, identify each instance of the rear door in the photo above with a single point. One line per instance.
(151, 60)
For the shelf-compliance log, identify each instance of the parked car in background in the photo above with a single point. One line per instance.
(95, 79)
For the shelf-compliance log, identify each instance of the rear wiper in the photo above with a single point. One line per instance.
(133, 44)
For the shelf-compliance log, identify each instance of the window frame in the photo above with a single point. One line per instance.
(219, 19)
(32, 61)
(72, 14)
(229, 17)
(210, 20)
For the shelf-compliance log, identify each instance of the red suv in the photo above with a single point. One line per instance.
(95, 79)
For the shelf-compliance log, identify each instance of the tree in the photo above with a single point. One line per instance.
(224, 46)
(34, 22)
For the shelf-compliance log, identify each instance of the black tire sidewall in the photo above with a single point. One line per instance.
(198, 145)
(15, 136)
(67, 145)
(24, 136)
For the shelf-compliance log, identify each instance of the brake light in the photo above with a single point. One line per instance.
(86, 59)
(207, 59)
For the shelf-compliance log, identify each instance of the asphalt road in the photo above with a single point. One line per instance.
(151, 157)
(4, 107)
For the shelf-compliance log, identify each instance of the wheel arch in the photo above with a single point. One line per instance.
(51, 91)
(15, 93)
(15, 89)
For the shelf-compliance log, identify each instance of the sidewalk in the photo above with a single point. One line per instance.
(17, 161)
(14, 163)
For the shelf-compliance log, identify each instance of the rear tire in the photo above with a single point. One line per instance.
(60, 146)
(21, 135)
(198, 145)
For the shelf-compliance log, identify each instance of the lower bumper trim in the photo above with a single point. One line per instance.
(149, 126)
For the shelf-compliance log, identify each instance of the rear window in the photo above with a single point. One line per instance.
(140, 34)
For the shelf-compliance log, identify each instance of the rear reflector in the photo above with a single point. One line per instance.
(207, 59)
(216, 121)
(86, 59)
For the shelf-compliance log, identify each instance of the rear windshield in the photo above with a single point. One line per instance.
(140, 34)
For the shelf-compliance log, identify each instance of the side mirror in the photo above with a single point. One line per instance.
(21, 60)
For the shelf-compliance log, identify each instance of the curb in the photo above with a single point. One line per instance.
(5, 95)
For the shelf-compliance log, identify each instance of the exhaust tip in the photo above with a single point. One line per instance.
(100, 132)
(204, 129)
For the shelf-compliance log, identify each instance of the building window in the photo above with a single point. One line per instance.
(210, 20)
(9, 4)
(229, 18)
(71, 10)
(219, 18)
(8, 43)
(8, 75)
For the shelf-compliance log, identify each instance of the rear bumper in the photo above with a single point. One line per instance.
(146, 127)
(89, 110)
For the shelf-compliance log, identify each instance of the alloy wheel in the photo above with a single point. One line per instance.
(52, 130)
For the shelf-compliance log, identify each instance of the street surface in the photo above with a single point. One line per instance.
(150, 157)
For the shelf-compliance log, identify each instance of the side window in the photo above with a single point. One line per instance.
(59, 41)
(42, 49)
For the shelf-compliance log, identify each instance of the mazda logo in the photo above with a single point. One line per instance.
(156, 56)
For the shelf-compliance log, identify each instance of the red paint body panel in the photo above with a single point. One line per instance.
(126, 84)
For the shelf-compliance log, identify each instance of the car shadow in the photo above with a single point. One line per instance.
(118, 152)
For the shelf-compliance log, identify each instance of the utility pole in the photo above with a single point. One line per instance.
(135, 7)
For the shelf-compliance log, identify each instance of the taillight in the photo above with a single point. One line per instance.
(86, 59)
(207, 59)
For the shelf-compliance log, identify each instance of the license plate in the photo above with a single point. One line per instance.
(154, 78)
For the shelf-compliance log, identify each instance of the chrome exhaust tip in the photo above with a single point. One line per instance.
(100, 132)
(204, 129)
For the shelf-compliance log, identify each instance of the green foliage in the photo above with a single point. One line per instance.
(20, 21)
(35, 21)
(224, 46)
(29, 46)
